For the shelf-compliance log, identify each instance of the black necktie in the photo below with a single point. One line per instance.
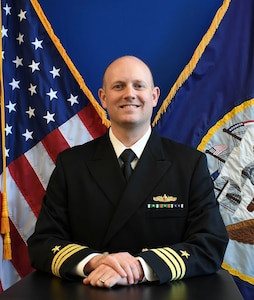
(127, 157)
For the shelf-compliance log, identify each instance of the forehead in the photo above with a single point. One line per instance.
(126, 69)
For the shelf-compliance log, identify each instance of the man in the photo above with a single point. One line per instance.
(160, 224)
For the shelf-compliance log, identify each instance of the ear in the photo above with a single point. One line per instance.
(156, 95)
(102, 96)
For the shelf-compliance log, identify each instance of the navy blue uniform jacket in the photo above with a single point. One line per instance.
(167, 213)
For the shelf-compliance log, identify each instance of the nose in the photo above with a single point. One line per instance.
(129, 92)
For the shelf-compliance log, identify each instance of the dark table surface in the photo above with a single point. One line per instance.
(37, 286)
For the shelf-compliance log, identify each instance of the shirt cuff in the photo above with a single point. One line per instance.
(79, 269)
(148, 271)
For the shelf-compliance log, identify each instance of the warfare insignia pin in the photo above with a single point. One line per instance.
(165, 198)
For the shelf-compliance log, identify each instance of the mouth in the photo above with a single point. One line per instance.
(129, 106)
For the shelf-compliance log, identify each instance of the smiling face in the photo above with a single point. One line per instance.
(129, 94)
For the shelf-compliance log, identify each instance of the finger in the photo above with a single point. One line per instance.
(114, 279)
(132, 267)
(106, 280)
(94, 276)
(134, 272)
(114, 262)
(97, 281)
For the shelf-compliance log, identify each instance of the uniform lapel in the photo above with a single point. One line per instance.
(106, 171)
(149, 170)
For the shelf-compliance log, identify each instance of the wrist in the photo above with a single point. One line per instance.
(93, 263)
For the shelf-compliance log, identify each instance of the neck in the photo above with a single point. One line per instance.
(128, 137)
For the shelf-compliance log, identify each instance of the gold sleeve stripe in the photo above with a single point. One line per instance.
(173, 260)
(167, 261)
(179, 261)
(175, 263)
(62, 256)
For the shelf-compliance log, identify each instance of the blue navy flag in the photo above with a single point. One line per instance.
(211, 107)
(47, 108)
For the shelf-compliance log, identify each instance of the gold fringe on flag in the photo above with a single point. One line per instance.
(187, 71)
(5, 225)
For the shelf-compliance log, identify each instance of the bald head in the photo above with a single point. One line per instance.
(130, 61)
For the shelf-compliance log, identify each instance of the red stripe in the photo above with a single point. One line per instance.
(27, 182)
(249, 121)
(92, 121)
(54, 143)
(20, 258)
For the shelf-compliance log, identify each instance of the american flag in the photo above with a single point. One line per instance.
(48, 108)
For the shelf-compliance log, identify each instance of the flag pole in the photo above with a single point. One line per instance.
(5, 225)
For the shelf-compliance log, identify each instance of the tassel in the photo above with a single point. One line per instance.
(5, 229)
(5, 225)
(7, 247)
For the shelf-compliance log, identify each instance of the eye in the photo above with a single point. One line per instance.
(118, 86)
(139, 86)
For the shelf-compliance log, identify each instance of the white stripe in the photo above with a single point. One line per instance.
(75, 132)
(41, 163)
(19, 211)
(8, 274)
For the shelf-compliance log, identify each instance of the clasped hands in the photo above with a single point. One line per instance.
(107, 270)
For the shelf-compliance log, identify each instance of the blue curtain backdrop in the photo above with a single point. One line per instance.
(163, 33)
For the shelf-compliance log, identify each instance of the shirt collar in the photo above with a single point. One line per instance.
(137, 148)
